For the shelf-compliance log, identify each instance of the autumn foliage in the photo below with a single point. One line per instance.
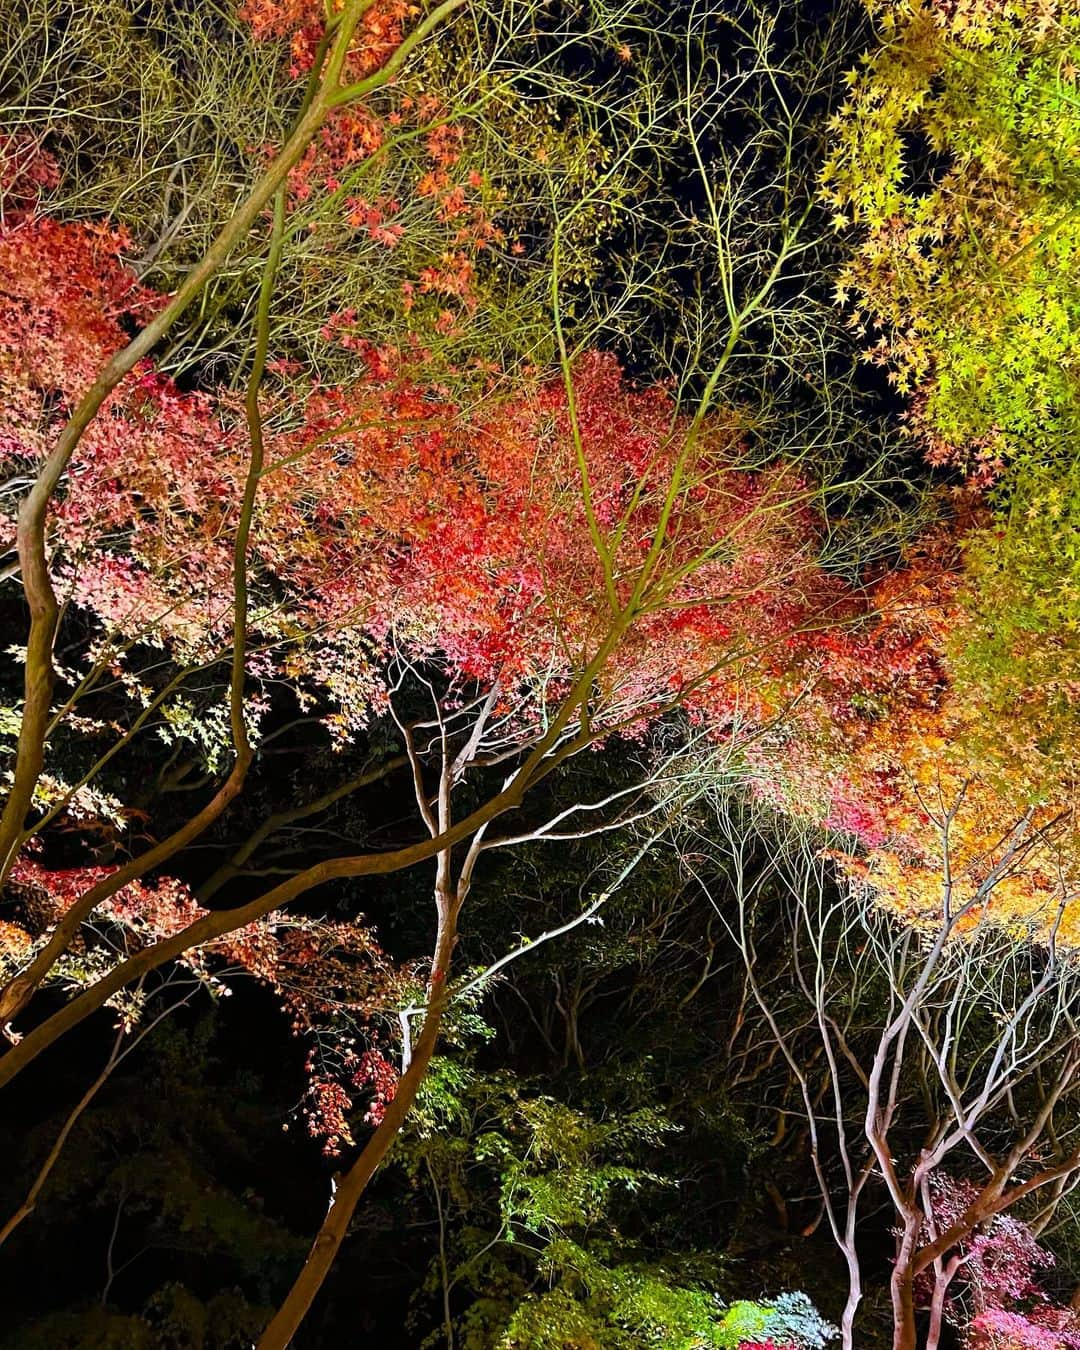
(394, 517)
(960, 284)
(586, 557)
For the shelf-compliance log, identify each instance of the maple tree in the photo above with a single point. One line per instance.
(343, 466)
(963, 264)
(898, 786)
(950, 157)
(954, 156)
(556, 559)
(999, 1266)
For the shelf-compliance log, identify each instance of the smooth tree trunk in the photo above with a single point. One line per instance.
(851, 1304)
(327, 1244)
(220, 922)
(937, 1307)
(902, 1286)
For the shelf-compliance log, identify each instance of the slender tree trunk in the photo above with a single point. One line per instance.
(937, 1306)
(30, 532)
(854, 1298)
(220, 922)
(901, 1287)
(903, 1302)
(324, 1250)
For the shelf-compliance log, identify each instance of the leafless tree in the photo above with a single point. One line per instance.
(944, 1043)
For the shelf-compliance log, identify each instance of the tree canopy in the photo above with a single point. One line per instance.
(540, 544)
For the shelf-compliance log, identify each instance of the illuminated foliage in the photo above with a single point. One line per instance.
(391, 518)
(955, 156)
(327, 433)
(539, 1193)
(968, 270)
